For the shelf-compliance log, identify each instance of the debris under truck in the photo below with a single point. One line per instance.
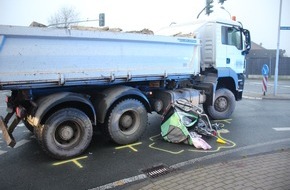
(62, 83)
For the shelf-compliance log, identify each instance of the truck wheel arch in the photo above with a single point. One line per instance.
(228, 83)
(111, 96)
(225, 93)
(51, 103)
(228, 78)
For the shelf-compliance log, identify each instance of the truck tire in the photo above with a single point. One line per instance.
(127, 122)
(224, 104)
(66, 133)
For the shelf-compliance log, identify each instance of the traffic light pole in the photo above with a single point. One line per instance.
(101, 21)
(207, 8)
(72, 22)
(200, 12)
(277, 52)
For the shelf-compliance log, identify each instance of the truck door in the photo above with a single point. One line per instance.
(232, 38)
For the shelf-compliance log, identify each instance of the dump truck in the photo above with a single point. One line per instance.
(64, 83)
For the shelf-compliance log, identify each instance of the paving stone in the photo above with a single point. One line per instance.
(270, 171)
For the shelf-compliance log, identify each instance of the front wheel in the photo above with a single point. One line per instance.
(224, 105)
(66, 133)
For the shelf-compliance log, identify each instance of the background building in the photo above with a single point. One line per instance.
(259, 56)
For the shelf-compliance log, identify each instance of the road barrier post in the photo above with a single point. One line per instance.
(265, 72)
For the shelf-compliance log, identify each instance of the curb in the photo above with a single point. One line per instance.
(271, 97)
(252, 98)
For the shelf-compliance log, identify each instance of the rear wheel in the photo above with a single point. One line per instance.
(66, 133)
(127, 121)
(224, 105)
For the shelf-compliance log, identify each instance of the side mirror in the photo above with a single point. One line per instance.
(247, 42)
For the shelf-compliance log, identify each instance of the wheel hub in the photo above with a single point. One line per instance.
(126, 121)
(221, 104)
(66, 133)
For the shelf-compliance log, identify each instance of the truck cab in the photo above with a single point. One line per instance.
(224, 44)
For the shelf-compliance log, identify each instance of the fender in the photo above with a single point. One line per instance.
(49, 102)
(109, 96)
(228, 72)
(235, 84)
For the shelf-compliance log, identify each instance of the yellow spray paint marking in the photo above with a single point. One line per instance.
(164, 150)
(224, 120)
(75, 161)
(225, 143)
(161, 149)
(229, 144)
(131, 146)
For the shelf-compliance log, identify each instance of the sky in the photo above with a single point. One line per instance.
(259, 16)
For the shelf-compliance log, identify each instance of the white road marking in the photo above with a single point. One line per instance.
(282, 129)
(21, 125)
(19, 143)
(252, 98)
(22, 142)
(2, 152)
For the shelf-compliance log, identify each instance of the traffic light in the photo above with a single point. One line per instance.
(208, 7)
(102, 19)
(222, 1)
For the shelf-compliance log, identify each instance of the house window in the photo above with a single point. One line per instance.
(232, 36)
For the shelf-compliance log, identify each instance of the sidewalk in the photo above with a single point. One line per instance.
(259, 96)
(253, 90)
(267, 171)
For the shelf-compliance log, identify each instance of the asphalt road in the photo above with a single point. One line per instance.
(257, 126)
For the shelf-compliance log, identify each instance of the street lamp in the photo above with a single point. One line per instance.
(172, 23)
(226, 11)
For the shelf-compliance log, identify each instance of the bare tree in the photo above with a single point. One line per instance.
(63, 17)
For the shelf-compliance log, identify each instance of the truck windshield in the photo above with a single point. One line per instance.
(232, 36)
